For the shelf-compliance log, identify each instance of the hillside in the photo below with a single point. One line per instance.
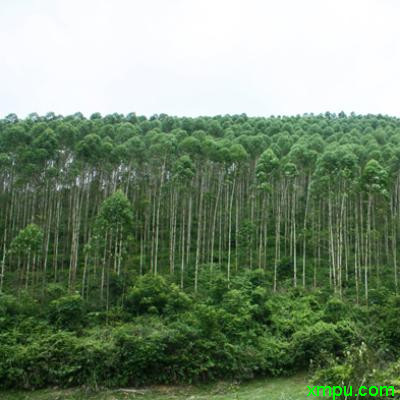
(168, 250)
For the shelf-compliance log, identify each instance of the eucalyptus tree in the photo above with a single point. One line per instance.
(112, 234)
(266, 169)
(304, 156)
(162, 149)
(336, 171)
(216, 155)
(394, 166)
(204, 190)
(374, 182)
(85, 170)
(237, 155)
(184, 172)
(26, 245)
(291, 173)
(194, 146)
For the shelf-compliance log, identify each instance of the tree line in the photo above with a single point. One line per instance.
(311, 200)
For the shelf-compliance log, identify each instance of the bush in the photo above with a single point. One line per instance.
(277, 356)
(67, 312)
(357, 368)
(139, 351)
(388, 326)
(153, 295)
(54, 291)
(9, 308)
(317, 342)
(335, 310)
(58, 358)
(14, 311)
(162, 335)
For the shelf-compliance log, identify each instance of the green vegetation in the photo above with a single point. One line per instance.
(276, 389)
(139, 251)
(163, 335)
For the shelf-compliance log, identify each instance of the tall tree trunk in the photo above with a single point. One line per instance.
(230, 229)
(199, 222)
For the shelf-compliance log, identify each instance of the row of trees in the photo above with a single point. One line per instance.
(313, 200)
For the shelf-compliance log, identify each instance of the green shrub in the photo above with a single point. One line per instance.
(152, 294)
(163, 335)
(335, 310)
(317, 342)
(139, 351)
(54, 291)
(356, 368)
(9, 308)
(277, 356)
(67, 312)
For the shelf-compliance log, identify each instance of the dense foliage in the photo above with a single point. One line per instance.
(165, 249)
(163, 335)
(314, 198)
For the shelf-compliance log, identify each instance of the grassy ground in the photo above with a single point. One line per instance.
(294, 388)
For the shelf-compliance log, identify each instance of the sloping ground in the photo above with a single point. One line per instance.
(294, 388)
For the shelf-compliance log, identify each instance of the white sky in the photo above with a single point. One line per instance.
(199, 57)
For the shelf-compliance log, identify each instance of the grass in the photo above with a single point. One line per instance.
(294, 388)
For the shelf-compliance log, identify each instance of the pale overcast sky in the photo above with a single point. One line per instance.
(199, 57)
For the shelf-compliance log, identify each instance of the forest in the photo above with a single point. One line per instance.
(166, 249)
